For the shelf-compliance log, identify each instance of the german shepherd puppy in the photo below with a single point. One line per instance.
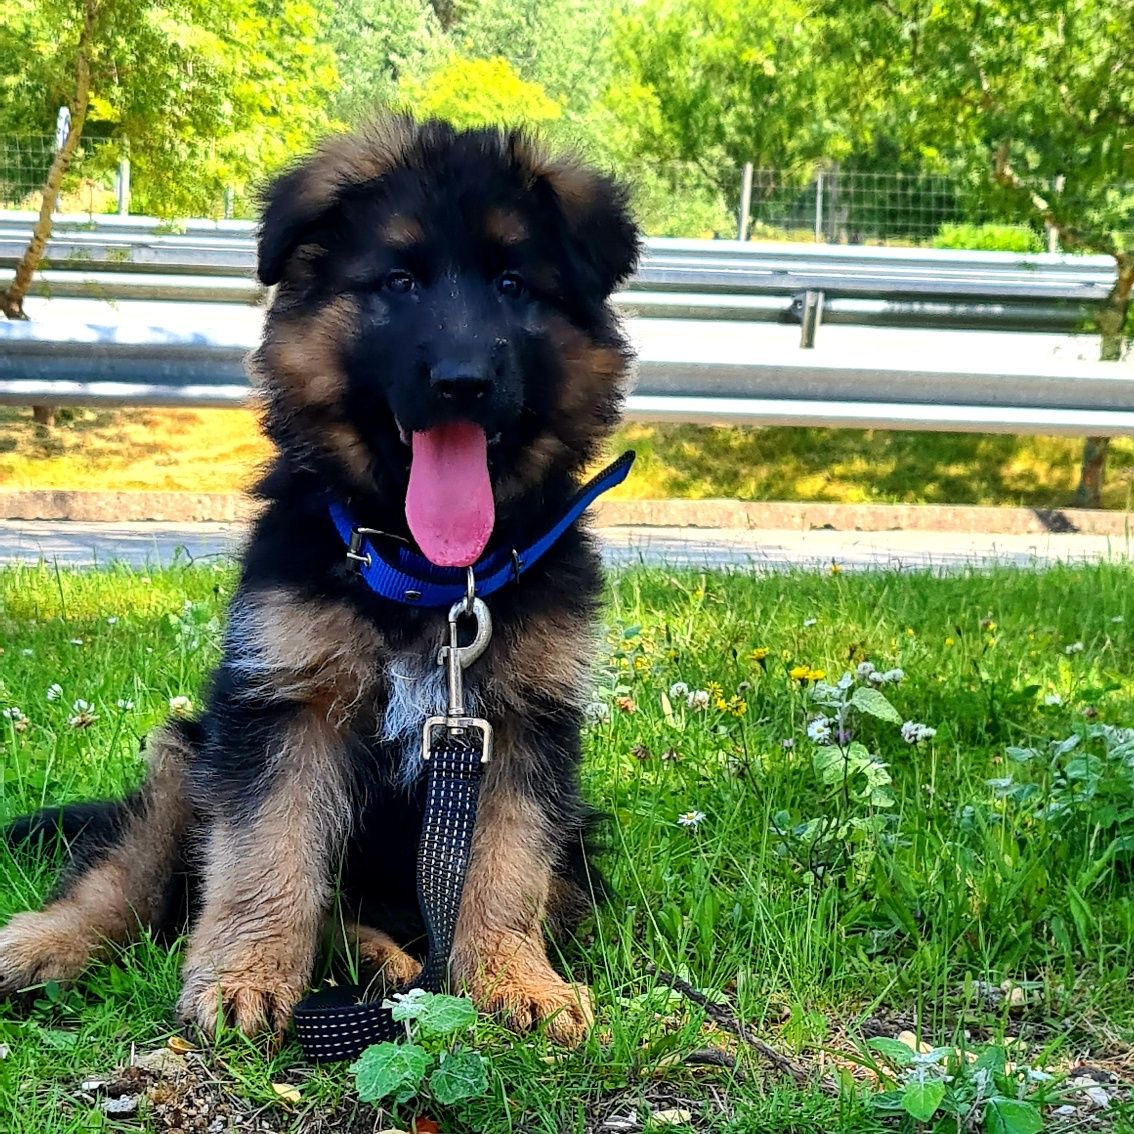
(440, 353)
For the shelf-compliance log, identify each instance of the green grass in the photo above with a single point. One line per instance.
(889, 924)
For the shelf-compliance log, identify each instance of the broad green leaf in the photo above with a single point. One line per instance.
(442, 1015)
(871, 701)
(893, 1051)
(386, 1069)
(829, 764)
(461, 1075)
(1011, 1116)
(921, 1099)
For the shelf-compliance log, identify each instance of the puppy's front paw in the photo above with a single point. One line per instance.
(525, 999)
(37, 947)
(253, 1000)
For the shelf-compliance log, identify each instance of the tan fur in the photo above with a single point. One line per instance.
(505, 226)
(267, 885)
(499, 954)
(353, 159)
(320, 654)
(111, 901)
(552, 651)
(300, 369)
(381, 957)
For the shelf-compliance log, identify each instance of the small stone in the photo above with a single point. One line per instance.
(93, 1086)
(125, 1106)
(1065, 1111)
(1097, 1097)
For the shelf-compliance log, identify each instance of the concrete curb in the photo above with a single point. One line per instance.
(198, 507)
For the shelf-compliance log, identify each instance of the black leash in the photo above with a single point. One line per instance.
(337, 1023)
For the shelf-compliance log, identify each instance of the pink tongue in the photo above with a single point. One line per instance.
(449, 504)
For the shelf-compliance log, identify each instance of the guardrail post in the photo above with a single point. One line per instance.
(1052, 231)
(819, 207)
(229, 202)
(745, 202)
(812, 317)
(122, 187)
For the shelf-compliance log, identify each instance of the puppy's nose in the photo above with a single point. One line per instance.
(462, 380)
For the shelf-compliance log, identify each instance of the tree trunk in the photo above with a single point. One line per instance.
(1112, 325)
(12, 298)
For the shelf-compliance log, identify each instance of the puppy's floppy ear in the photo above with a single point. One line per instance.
(600, 234)
(290, 210)
(299, 198)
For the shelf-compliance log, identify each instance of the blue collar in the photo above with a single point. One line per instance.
(410, 578)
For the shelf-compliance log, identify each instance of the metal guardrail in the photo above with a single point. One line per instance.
(214, 261)
(692, 378)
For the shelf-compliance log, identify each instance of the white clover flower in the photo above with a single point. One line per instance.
(864, 670)
(913, 732)
(690, 818)
(83, 714)
(876, 677)
(698, 700)
(12, 714)
(180, 705)
(81, 706)
(1118, 618)
(1053, 699)
(808, 622)
(76, 641)
(678, 689)
(893, 676)
(28, 652)
(1074, 648)
(54, 692)
(819, 730)
(787, 743)
(597, 711)
(112, 620)
(125, 705)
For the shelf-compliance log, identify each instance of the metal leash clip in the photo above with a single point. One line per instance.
(457, 659)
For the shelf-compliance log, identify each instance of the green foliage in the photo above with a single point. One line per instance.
(948, 1089)
(200, 95)
(377, 42)
(989, 238)
(433, 1068)
(478, 92)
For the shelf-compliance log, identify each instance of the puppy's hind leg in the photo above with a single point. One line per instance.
(125, 860)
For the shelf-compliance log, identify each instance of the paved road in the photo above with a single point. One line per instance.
(76, 544)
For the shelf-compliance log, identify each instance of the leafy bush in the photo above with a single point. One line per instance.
(988, 238)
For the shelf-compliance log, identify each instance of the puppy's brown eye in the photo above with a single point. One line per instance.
(399, 282)
(510, 284)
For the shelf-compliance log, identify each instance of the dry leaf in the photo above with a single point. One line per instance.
(426, 1126)
(180, 1044)
(287, 1092)
(671, 1118)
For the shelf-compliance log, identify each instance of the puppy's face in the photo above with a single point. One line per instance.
(441, 328)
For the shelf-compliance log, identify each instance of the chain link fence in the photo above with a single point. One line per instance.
(673, 199)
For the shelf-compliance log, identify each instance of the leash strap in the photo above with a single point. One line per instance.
(410, 578)
(338, 1023)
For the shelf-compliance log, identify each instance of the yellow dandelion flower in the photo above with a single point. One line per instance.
(949, 643)
(759, 654)
(835, 568)
(910, 632)
(799, 672)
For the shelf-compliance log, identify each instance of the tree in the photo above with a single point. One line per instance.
(475, 92)
(378, 43)
(1031, 98)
